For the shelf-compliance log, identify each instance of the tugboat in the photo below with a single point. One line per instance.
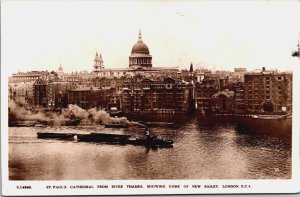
(40, 123)
(150, 141)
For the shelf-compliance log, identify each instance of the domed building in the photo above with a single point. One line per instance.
(140, 63)
(60, 70)
(140, 55)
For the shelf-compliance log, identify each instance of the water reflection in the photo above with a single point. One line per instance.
(203, 149)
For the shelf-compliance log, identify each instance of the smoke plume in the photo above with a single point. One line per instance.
(91, 116)
(21, 113)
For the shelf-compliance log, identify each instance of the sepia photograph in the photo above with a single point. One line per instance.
(149, 91)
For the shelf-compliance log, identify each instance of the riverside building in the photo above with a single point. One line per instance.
(268, 91)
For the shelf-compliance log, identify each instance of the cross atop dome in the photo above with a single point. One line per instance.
(140, 36)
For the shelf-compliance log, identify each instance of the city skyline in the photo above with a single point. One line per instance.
(150, 97)
(179, 33)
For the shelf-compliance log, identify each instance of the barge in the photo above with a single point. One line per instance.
(158, 124)
(102, 137)
(21, 123)
(149, 141)
(115, 126)
(45, 135)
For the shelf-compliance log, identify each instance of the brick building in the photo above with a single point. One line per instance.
(239, 97)
(57, 93)
(157, 96)
(40, 93)
(205, 89)
(21, 92)
(223, 101)
(89, 97)
(268, 91)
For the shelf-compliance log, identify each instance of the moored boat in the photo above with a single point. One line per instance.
(21, 124)
(115, 126)
(158, 124)
(270, 117)
(45, 135)
(280, 126)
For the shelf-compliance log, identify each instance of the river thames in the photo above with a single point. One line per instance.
(201, 151)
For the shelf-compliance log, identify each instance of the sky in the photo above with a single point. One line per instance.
(219, 35)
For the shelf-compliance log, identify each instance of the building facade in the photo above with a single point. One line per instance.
(239, 97)
(268, 91)
(89, 97)
(40, 93)
(223, 101)
(205, 89)
(21, 92)
(157, 96)
(57, 93)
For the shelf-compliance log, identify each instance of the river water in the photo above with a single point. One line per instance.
(201, 151)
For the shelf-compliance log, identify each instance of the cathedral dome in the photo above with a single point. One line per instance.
(140, 55)
(140, 47)
(60, 69)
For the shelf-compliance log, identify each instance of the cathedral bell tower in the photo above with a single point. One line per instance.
(98, 62)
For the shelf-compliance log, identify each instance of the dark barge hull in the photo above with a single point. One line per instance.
(109, 135)
(110, 138)
(116, 126)
(271, 127)
(55, 135)
(158, 124)
(102, 137)
(21, 123)
(123, 140)
(147, 143)
(250, 124)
